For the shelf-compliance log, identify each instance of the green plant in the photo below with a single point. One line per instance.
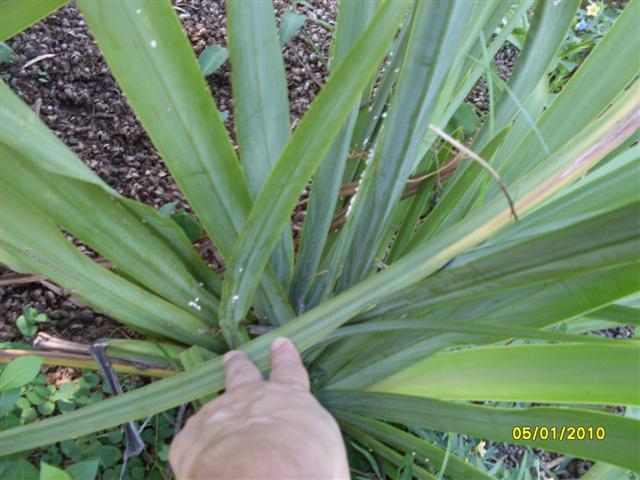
(414, 292)
(26, 322)
(214, 56)
(590, 26)
(85, 457)
(6, 53)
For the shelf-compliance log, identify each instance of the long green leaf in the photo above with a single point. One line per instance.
(18, 15)
(567, 251)
(377, 357)
(56, 257)
(621, 440)
(261, 106)
(620, 314)
(591, 374)
(154, 64)
(496, 331)
(298, 161)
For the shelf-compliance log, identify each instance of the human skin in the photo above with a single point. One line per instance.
(261, 429)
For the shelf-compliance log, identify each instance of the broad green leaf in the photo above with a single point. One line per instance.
(592, 374)
(298, 161)
(49, 472)
(261, 104)
(18, 15)
(570, 249)
(20, 469)
(8, 399)
(154, 64)
(19, 372)
(620, 314)
(85, 470)
(212, 58)
(496, 331)
(290, 24)
(622, 435)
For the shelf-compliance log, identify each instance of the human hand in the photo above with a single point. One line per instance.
(261, 429)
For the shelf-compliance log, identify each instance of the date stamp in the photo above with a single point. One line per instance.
(563, 433)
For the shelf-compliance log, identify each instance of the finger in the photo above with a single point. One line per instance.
(239, 370)
(286, 365)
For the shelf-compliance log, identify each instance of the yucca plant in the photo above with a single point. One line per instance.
(436, 270)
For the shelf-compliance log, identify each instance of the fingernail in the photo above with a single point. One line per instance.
(229, 355)
(279, 342)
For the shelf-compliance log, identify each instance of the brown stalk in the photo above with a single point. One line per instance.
(76, 360)
(483, 163)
